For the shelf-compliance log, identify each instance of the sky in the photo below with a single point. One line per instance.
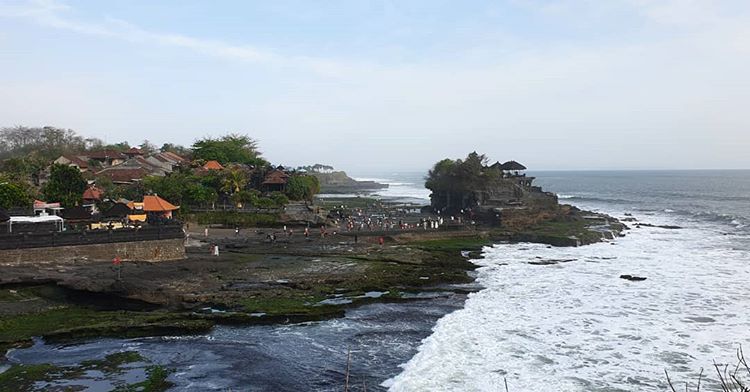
(393, 85)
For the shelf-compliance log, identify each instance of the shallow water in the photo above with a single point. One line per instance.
(300, 357)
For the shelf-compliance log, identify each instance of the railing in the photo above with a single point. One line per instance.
(88, 237)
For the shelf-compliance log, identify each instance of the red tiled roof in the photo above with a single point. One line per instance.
(93, 193)
(134, 151)
(213, 165)
(154, 203)
(44, 204)
(83, 164)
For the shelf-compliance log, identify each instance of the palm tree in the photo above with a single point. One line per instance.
(234, 181)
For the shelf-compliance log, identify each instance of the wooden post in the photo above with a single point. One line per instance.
(348, 367)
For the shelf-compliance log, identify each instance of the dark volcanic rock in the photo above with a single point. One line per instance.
(671, 227)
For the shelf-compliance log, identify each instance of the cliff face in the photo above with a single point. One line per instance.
(493, 196)
(340, 182)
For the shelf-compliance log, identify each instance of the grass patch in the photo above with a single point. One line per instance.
(112, 362)
(297, 304)
(34, 377)
(559, 232)
(23, 377)
(156, 381)
(454, 244)
(78, 322)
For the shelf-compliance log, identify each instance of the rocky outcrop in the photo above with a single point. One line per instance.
(340, 182)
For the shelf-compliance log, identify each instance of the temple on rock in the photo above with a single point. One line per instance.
(486, 191)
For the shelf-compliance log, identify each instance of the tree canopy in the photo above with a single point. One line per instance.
(45, 142)
(317, 168)
(65, 185)
(302, 187)
(233, 148)
(13, 195)
(176, 149)
(450, 176)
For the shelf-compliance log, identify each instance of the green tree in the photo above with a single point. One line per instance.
(177, 149)
(65, 185)
(121, 146)
(279, 198)
(147, 148)
(13, 195)
(45, 143)
(171, 188)
(197, 194)
(246, 197)
(302, 187)
(233, 148)
(234, 180)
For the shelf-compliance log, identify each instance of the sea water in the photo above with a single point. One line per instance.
(576, 326)
(570, 326)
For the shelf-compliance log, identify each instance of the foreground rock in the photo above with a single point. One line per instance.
(256, 281)
(632, 278)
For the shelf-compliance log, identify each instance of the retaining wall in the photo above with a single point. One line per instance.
(156, 250)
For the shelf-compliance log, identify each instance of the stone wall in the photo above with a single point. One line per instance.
(157, 250)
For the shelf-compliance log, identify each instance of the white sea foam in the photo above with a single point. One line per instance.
(577, 326)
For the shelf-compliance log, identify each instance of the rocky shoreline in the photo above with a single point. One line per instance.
(255, 281)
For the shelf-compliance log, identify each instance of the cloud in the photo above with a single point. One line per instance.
(616, 102)
(50, 13)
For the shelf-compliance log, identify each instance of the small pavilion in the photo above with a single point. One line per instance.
(276, 180)
(513, 167)
(156, 206)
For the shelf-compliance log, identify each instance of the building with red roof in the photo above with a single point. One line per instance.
(213, 165)
(153, 204)
(133, 152)
(92, 195)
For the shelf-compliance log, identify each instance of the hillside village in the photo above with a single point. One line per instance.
(102, 240)
(92, 183)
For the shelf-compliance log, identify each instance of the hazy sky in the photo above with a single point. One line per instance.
(590, 84)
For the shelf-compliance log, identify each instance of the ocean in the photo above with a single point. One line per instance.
(576, 326)
(573, 326)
